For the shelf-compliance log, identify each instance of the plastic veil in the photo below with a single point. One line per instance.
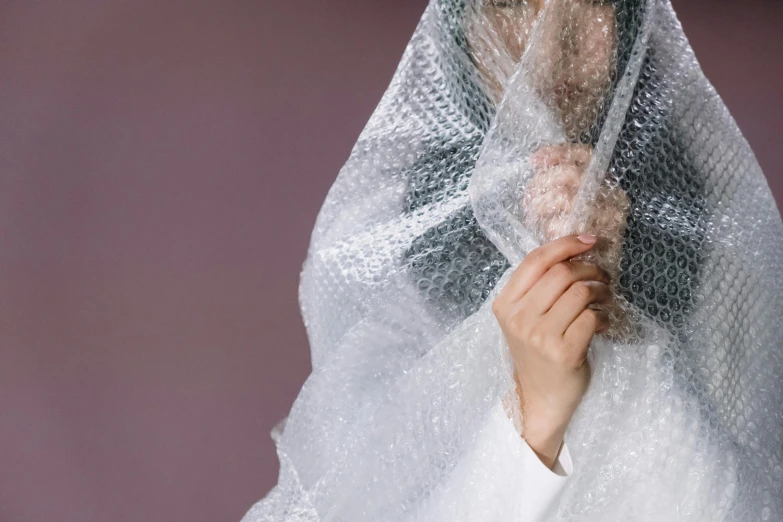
(683, 419)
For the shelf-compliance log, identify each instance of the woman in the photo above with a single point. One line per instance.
(537, 180)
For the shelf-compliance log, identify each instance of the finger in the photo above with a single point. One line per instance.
(579, 296)
(582, 330)
(540, 260)
(559, 281)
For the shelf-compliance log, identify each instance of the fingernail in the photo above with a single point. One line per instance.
(587, 239)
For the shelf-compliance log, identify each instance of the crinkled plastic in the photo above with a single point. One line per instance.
(504, 126)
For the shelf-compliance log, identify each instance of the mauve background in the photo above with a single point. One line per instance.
(162, 164)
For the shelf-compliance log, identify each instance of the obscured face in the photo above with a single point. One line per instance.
(574, 58)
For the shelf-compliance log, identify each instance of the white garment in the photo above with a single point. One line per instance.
(499, 470)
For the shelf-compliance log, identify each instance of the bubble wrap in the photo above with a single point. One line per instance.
(507, 125)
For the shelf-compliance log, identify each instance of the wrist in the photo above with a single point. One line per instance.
(546, 446)
(544, 434)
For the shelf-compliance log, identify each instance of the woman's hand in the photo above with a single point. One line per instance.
(548, 312)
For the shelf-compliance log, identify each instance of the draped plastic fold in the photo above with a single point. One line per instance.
(435, 207)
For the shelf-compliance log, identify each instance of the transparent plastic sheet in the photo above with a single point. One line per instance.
(506, 126)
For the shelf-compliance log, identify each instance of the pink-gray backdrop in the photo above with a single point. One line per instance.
(161, 167)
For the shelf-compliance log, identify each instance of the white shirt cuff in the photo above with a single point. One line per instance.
(542, 485)
(500, 477)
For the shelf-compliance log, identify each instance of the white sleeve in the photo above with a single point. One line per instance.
(499, 479)
(540, 486)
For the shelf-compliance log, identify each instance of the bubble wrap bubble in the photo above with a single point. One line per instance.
(507, 125)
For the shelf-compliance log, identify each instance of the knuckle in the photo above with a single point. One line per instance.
(574, 356)
(536, 336)
(497, 307)
(562, 356)
(582, 291)
(520, 270)
(515, 324)
(533, 258)
(563, 271)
